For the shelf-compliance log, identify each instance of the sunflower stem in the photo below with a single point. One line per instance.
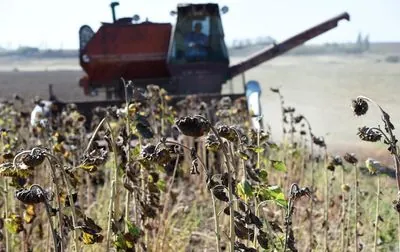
(356, 207)
(343, 224)
(216, 224)
(326, 209)
(128, 149)
(5, 195)
(378, 192)
(57, 193)
(110, 215)
(48, 207)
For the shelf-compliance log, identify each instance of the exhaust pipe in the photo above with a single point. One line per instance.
(113, 5)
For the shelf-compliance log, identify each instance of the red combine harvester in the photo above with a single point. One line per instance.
(190, 57)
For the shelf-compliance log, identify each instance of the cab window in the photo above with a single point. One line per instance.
(198, 39)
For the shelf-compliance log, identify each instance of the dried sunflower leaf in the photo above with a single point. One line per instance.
(278, 165)
(88, 167)
(14, 224)
(89, 239)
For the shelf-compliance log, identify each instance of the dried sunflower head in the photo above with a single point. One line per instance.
(368, 134)
(289, 110)
(351, 158)
(337, 160)
(227, 132)
(359, 106)
(225, 102)
(298, 119)
(274, 90)
(35, 158)
(33, 195)
(319, 141)
(193, 126)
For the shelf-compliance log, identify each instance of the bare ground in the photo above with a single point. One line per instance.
(321, 88)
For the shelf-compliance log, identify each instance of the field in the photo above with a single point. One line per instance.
(319, 87)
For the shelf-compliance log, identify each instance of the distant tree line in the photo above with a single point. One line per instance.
(362, 43)
(243, 43)
(27, 51)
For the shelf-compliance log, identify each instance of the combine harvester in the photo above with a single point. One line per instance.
(176, 58)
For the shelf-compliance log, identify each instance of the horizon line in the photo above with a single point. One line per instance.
(230, 45)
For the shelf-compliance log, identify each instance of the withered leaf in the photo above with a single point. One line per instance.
(220, 194)
(14, 224)
(253, 219)
(29, 214)
(7, 170)
(262, 239)
(242, 231)
(88, 238)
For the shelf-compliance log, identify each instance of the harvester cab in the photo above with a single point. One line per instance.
(198, 58)
(198, 35)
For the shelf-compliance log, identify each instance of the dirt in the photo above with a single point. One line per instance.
(321, 88)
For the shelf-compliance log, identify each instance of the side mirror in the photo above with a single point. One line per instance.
(253, 95)
(173, 13)
(224, 9)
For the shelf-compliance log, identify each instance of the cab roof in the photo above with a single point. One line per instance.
(207, 8)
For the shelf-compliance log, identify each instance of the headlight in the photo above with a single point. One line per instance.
(85, 58)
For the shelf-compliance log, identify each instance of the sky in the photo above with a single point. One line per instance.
(55, 23)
